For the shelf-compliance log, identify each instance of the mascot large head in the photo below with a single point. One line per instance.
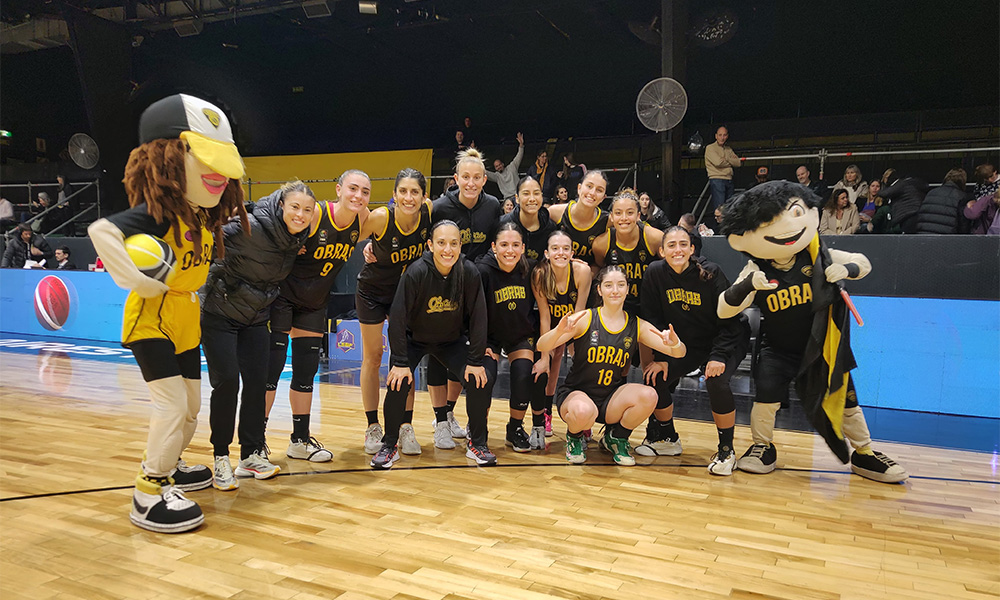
(772, 221)
(187, 167)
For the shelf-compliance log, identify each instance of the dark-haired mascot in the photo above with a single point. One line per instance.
(183, 183)
(793, 278)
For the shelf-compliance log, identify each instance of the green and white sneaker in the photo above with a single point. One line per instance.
(621, 451)
(576, 449)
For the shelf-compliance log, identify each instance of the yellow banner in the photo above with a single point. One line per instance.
(379, 165)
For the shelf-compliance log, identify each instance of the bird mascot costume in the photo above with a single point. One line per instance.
(183, 184)
(794, 279)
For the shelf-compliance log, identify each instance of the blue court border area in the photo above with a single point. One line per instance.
(978, 434)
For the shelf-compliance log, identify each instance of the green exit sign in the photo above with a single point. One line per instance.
(5, 134)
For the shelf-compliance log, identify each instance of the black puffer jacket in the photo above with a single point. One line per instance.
(905, 197)
(17, 252)
(941, 209)
(242, 286)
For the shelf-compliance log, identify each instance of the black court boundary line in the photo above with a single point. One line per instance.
(510, 466)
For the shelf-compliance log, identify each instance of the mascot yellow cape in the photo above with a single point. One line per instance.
(183, 183)
(793, 278)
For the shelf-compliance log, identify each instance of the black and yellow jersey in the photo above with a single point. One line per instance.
(394, 251)
(327, 250)
(601, 357)
(583, 234)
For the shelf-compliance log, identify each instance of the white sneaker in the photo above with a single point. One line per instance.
(310, 450)
(457, 431)
(223, 478)
(659, 448)
(256, 466)
(408, 440)
(722, 465)
(536, 440)
(373, 438)
(442, 436)
(168, 511)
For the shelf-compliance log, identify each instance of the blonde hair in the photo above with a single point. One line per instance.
(470, 155)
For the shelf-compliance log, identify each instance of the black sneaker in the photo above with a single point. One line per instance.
(161, 507)
(385, 457)
(518, 439)
(877, 467)
(481, 454)
(759, 458)
(191, 478)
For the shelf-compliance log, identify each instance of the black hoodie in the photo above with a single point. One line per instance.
(433, 309)
(535, 242)
(509, 302)
(477, 226)
(242, 286)
(689, 304)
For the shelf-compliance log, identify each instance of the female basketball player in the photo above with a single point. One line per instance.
(683, 290)
(477, 215)
(300, 309)
(582, 218)
(531, 218)
(630, 243)
(182, 182)
(234, 315)
(513, 329)
(437, 298)
(561, 287)
(399, 236)
(605, 339)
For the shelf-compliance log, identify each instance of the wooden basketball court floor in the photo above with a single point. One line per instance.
(436, 527)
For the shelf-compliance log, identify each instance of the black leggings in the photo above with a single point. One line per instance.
(235, 351)
(777, 369)
(454, 357)
(720, 394)
(524, 390)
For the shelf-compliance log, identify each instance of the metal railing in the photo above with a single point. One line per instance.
(59, 205)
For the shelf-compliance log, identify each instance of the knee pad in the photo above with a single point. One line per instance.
(720, 395)
(305, 362)
(277, 352)
(664, 396)
(521, 384)
(437, 374)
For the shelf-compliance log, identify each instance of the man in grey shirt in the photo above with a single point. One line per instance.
(507, 177)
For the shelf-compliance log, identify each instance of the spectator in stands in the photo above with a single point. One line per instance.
(62, 261)
(507, 205)
(24, 247)
(571, 175)
(719, 163)
(687, 221)
(53, 218)
(6, 215)
(982, 210)
(905, 194)
(857, 189)
(652, 214)
(995, 227)
(762, 176)
(561, 195)
(805, 178)
(459, 141)
(941, 210)
(468, 133)
(870, 205)
(542, 173)
(840, 215)
(506, 177)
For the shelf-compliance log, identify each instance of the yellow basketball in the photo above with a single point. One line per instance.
(154, 257)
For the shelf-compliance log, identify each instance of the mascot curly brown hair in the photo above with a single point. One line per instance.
(793, 278)
(183, 183)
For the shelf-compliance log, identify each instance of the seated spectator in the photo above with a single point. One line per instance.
(995, 227)
(941, 210)
(507, 206)
(571, 175)
(53, 218)
(506, 176)
(561, 196)
(982, 210)
(459, 141)
(652, 214)
(687, 221)
(542, 173)
(840, 215)
(905, 195)
(24, 247)
(870, 205)
(62, 261)
(762, 176)
(468, 132)
(857, 189)
(6, 215)
(804, 177)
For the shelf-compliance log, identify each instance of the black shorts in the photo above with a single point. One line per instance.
(600, 401)
(371, 310)
(285, 316)
(509, 347)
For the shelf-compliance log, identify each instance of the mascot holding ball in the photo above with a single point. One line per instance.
(793, 278)
(183, 184)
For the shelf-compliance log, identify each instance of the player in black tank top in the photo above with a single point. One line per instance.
(556, 270)
(629, 243)
(582, 219)
(594, 390)
(300, 309)
(399, 237)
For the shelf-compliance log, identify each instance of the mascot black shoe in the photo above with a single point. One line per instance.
(794, 279)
